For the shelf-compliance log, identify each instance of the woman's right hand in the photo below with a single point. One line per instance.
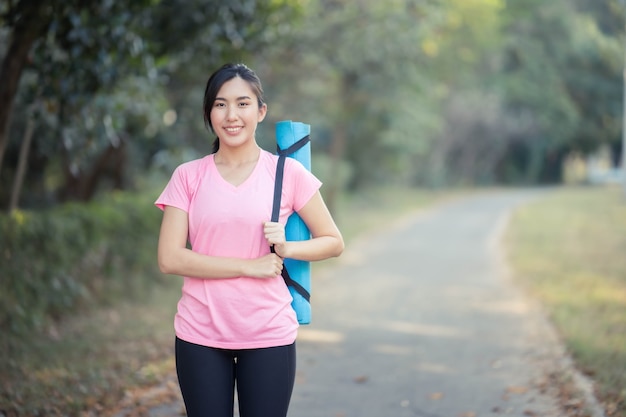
(267, 266)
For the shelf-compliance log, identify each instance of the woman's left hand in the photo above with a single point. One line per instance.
(275, 235)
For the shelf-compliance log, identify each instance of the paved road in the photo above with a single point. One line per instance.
(422, 319)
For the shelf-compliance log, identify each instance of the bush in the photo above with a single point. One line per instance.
(61, 261)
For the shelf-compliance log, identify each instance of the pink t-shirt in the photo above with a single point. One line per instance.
(227, 220)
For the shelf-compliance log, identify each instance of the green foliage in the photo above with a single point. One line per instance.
(91, 70)
(594, 82)
(352, 71)
(58, 262)
(561, 83)
(431, 93)
(450, 92)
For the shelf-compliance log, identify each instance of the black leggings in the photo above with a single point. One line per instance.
(265, 379)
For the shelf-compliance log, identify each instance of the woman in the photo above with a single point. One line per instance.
(234, 322)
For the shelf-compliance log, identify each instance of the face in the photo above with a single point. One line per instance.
(236, 113)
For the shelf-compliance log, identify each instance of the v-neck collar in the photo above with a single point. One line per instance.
(246, 180)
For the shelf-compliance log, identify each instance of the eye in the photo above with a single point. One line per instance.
(218, 104)
(244, 104)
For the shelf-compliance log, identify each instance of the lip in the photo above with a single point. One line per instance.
(233, 129)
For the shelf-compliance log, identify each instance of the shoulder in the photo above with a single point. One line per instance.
(190, 172)
(294, 169)
(290, 163)
(267, 157)
(268, 161)
(193, 168)
(195, 164)
(294, 164)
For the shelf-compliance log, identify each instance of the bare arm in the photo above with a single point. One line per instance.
(175, 258)
(326, 240)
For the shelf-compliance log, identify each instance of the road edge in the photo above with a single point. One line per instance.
(582, 385)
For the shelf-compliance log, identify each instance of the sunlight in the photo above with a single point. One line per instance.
(424, 329)
(320, 336)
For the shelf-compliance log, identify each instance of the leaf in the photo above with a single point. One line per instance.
(436, 395)
(361, 379)
(516, 390)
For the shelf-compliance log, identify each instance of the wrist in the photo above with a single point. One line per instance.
(245, 268)
(284, 250)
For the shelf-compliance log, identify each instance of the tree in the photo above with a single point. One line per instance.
(561, 80)
(87, 48)
(463, 50)
(79, 47)
(353, 72)
(29, 21)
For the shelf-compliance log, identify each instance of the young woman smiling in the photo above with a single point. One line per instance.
(234, 324)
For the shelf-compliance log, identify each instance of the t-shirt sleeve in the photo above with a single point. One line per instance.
(302, 183)
(177, 192)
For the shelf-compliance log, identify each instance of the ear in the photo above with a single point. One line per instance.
(262, 113)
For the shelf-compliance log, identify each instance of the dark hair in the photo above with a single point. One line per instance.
(217, 79)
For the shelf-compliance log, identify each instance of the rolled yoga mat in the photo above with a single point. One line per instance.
(288, 133)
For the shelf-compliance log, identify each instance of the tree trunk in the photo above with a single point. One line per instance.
(623, 164)
(110, 164)
(338, 145)
(337, 150)
(23, 159)
(32, 24)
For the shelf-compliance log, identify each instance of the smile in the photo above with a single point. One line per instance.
(233, 129)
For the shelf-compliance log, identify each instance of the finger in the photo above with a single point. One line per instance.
(275, 239)
(273, 227)
(270, 225)
(274, 234)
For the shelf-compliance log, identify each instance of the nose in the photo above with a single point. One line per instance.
(231, 113)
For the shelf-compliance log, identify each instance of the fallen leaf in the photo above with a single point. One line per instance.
(361, 379)
(436, 395)
(496, 364)
(516, 390)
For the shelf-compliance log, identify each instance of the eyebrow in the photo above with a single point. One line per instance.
(238, 98)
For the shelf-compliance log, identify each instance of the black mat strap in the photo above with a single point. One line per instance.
(278, 189)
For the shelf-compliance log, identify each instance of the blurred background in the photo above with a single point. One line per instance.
(101, 96)
(101, 100)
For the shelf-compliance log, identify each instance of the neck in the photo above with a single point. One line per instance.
(237, 156)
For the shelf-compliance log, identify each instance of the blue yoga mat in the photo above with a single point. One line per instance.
(288, 133)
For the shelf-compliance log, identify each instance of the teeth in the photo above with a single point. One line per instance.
(233, 129)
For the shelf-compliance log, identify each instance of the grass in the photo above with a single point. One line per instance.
(370, 210)
(569, 251)
(88, 362)
(86, 365)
